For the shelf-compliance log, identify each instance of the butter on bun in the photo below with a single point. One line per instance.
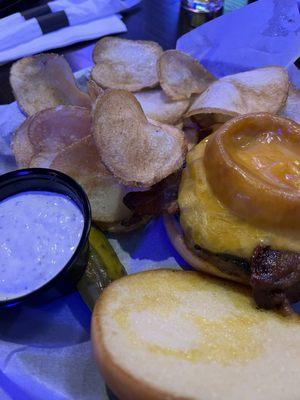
(170, 335)
(239, 203)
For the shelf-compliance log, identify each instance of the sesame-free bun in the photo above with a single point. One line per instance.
(166, 335)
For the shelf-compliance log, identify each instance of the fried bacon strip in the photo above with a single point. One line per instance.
(161, 198)
(275, 278)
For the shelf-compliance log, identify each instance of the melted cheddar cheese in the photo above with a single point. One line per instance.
(212, 226)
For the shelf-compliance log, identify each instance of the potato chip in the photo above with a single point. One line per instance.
(125, 64)
(44, 133)
(106, 198)
(42, 160)
(157, 106)
(81, 161)
(21, 146)
(180, 75)
(179, 125)
(134, 150)
(291, 109)
(212, 117)
(258, 90)
(192, 136)
(93, 90)
(43, 81)
(58, 127)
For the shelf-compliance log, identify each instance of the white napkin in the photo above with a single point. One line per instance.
(23, 31)
(54, 6)
(263, 33)
(66, 36)
(88, 19)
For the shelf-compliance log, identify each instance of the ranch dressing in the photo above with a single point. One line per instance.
(39, 232)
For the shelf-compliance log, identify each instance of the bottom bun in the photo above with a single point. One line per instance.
(202, 260)
(170, 335)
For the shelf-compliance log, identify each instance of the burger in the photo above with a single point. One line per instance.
(239, 207)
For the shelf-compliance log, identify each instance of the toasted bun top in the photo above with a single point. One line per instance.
(181, 335)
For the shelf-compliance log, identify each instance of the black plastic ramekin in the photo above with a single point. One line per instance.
(43, 179)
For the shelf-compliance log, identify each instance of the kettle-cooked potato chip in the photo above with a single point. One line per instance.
(157, 106)
(93, 90)
(126, 64)
(180, 75)
(47, 131)
(42, 160)
(82, 162)
(60, 138)
(44, 81)
(21, 146)
(258, 90)
(192, 136)
(58, 127)
(292, 106)
(134, 150)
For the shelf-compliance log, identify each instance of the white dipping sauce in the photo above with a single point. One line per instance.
(39, 232)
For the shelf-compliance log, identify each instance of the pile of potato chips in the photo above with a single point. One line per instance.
(143, 110)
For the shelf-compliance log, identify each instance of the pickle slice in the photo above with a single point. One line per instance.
(103, 268)
(106, 254)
